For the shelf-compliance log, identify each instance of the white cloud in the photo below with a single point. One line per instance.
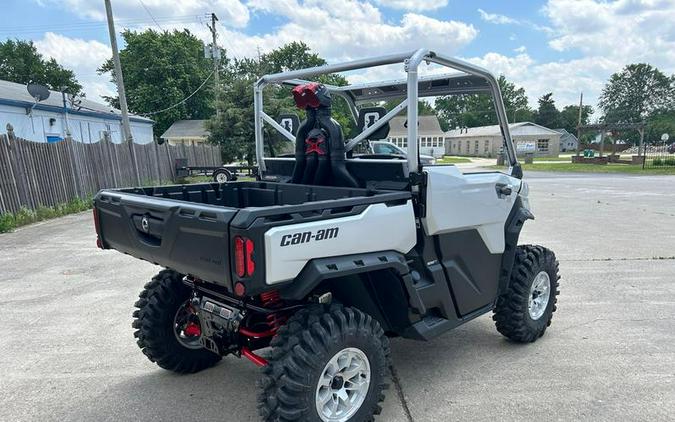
(413, 4)
(230, 12)
(608, 35)
(498, 19)
(520, 49)
(495, 18)
(353, 29)
(81, 56)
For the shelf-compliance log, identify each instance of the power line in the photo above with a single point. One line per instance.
(151, 17)
(181, 101)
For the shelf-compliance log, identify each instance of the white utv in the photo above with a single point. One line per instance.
(325, 257)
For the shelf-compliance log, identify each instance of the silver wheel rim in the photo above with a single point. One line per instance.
(221, 177)
(540, 292)
(180, 321)
(343, 385)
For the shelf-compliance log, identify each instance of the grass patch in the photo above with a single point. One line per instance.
(592, 168)
(448, 159)
(10, 221)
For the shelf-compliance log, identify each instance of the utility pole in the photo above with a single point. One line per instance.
(119, 79)
(215, 55)
(581, 106)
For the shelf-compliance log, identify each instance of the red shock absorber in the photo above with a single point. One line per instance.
(275, 320)
(270, 300)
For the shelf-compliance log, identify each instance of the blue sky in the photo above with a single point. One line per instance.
(563, 46)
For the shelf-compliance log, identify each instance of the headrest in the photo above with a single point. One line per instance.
(290, 122)
(311, 95)
(368, 116)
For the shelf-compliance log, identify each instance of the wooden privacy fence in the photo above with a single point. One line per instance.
(34, 174)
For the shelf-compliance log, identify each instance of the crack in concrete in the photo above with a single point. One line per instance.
(399, 392)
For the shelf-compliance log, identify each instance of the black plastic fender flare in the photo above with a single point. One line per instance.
(321, 269)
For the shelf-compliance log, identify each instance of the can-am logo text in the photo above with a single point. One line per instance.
(304, 237)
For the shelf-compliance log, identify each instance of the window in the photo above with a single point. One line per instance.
(475, 148)
(384, 148)
(487, 146)
(542, 145)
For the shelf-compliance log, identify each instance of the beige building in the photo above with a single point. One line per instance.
(186, 132)
(486, 141)
(431, 137)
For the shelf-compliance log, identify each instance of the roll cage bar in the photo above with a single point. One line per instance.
(471, 79)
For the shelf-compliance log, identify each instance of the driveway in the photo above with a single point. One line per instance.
(68, 353)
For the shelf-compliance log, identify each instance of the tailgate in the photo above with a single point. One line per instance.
(189, 238)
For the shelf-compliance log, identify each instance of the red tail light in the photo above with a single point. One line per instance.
(243, 256)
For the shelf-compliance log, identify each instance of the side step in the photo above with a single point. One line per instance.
(432, 299)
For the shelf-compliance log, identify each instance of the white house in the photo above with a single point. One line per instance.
(186, 132)
(568, 142)
(486, 141)
(49, 120)
(431, 137)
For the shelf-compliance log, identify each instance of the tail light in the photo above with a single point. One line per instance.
(97, 227)
(244, 264)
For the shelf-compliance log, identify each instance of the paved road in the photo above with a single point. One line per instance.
(68, 353)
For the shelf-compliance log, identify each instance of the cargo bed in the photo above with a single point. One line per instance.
(189, 228)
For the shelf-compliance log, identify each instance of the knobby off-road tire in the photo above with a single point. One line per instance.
(157, 306)
(514, 316)
(301, 351)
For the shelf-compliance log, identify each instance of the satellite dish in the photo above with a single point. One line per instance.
(37, 91)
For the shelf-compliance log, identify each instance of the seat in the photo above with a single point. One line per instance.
(319, 144)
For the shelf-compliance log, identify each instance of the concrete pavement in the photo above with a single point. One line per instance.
(68, 352)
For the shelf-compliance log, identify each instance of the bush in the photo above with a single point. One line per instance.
(6, 222)
(657, 162)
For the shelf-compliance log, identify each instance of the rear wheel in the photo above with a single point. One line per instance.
(326, 365)
(166, 327)
(222, 176)
(525, 309)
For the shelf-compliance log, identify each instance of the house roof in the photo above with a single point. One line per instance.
(494, 130)
(428, 125)
(187, 129)
(15, 94)
(565, 134)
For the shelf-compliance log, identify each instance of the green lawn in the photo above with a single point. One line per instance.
(592, 168)
(448, 159)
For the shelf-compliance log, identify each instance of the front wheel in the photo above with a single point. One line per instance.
(166, 327)
(326, 365)
(525, 309)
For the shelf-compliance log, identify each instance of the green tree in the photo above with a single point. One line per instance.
(20, 62)
(161, 69)
(234, 129)
(635, 93)
(659, 123)
(547, 114)
(569, 117)
(473, 110)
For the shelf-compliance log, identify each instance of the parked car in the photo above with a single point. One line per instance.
(387, 148)
(671, 148)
